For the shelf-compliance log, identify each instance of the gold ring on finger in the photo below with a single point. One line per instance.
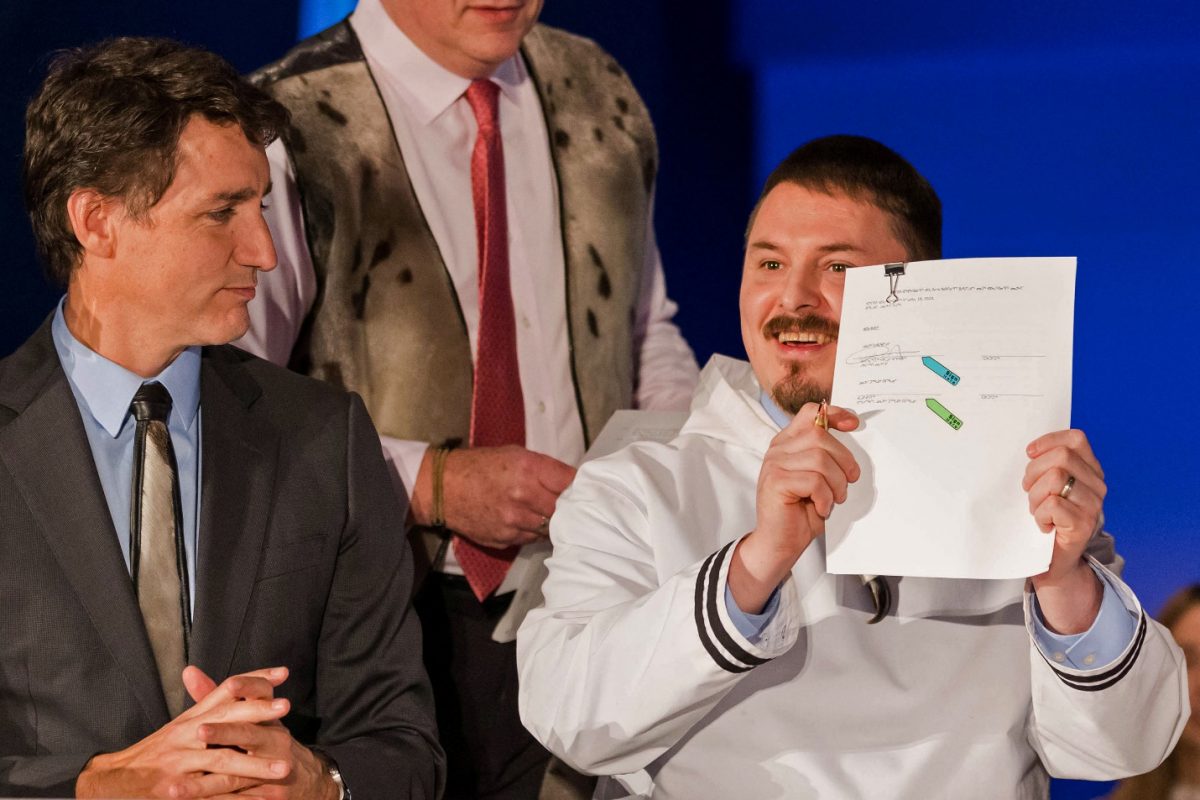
(1067, 487)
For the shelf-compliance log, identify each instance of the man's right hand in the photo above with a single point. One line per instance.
(495, 496)
(166, 763)
(805, 473)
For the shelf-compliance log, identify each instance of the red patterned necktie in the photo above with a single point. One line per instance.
(497, 406)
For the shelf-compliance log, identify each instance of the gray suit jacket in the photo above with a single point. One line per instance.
(302, 562)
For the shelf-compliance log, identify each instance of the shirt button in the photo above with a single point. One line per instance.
(1089, 659)
(525, 322)
(541, 407)
(1059, 657)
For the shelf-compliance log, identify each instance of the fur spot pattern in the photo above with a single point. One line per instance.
(359, 298)
(331, 112)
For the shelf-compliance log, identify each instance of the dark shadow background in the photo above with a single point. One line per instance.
(1048, 129)
(678, 65)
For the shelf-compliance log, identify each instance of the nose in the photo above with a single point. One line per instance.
(801, 289)
(256, 248)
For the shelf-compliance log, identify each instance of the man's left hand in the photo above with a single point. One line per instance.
(308, 777)
(1066, 496)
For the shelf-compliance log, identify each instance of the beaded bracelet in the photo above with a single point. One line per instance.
(438, 517)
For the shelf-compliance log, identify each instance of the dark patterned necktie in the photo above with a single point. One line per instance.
(497, 406)
(157, 557)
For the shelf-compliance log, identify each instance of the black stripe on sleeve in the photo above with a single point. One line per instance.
(702, 628)
(1103, 680)
(714, 619)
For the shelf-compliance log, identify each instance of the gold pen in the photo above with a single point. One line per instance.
(822, 418)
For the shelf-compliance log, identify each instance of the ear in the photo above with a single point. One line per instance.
(93, 219)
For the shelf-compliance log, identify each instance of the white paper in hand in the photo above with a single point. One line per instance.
(952, 380)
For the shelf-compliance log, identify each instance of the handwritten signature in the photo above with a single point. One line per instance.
(883, 353)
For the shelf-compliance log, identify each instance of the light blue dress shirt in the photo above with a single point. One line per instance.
(103, 391)
(1103, 643)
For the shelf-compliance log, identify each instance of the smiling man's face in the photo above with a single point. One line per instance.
(471, 38)
(800, 244)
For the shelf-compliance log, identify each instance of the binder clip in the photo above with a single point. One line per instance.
(893, 272)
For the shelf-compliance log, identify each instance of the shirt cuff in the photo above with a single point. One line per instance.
(751, 625)
(1103, 643)
(403, 459)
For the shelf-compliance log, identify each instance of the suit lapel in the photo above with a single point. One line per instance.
(238, 452)
(46, 450)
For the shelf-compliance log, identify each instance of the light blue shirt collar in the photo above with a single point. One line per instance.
(777, 414)
(107, 388)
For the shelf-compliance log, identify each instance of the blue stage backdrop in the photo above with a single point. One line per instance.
(317, 15)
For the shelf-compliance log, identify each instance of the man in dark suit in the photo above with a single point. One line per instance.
(168, 500)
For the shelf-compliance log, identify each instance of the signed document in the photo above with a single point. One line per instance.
(954, 367)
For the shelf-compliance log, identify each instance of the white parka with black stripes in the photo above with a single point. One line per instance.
(633, 670)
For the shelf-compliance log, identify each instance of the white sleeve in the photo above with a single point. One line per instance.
(1113, 720)
(666, 368)
(616, 667)
(285, 294)
(403, 458)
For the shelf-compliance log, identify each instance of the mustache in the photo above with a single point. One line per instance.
(803, 323)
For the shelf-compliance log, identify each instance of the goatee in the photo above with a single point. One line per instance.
(796, 389)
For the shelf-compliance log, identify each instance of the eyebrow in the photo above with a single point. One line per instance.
(840, 247)
(239, 196)
(835, 247)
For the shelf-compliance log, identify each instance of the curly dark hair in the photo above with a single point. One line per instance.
(108, 117)
(867, 170)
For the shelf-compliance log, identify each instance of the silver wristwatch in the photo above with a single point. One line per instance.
(335, 774)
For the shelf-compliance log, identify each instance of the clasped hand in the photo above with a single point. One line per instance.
(230, 743)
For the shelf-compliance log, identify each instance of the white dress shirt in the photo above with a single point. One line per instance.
(436, 129)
